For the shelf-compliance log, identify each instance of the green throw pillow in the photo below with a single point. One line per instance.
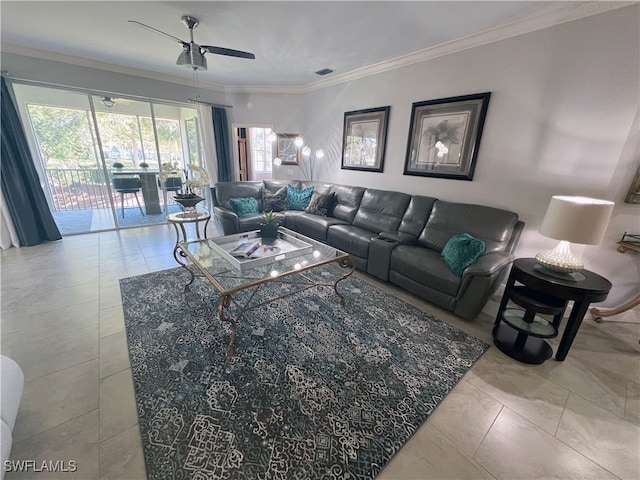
(298, 199)
(244, 207)
(461, 251)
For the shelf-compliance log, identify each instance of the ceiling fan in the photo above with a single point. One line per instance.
(192, 55)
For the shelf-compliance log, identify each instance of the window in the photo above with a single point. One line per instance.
(261, 152)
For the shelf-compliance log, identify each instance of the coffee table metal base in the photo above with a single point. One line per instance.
(226, 299)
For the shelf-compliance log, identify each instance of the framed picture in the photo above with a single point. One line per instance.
(285, 148)
(364, 138)
(444, 136)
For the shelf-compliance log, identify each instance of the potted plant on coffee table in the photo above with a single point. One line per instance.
(269, 226)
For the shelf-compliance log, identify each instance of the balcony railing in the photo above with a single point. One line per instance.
(81, 189)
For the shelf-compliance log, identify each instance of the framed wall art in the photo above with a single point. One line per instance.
(444, 136)
(285, 149)
(364, 139)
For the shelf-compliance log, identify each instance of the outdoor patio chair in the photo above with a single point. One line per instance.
(129, 184)
(171, 184)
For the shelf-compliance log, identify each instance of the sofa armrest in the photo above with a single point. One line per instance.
(479, 281)
(228, 220)
(399, 238)
(489, 264)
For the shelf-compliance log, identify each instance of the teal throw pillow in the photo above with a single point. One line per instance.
(461, 251)
(244, 207)
(298, 199)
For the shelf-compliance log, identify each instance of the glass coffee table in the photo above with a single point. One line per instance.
(286, 259)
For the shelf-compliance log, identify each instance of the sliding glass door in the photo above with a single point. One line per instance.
(99, 157)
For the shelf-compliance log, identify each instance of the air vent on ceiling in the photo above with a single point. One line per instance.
(324, 71)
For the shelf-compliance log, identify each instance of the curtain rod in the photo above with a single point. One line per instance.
(191, 100)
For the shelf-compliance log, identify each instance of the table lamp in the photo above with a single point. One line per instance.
(572, 219)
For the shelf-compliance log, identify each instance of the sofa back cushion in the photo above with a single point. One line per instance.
(224, 191)
(491, 225)
(381, 210)
(416, 215)
(320, 187)
(346, 201)
(274, 185)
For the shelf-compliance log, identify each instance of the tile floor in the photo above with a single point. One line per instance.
(62, 321)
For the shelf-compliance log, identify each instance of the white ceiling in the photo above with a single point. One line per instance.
(291, 40)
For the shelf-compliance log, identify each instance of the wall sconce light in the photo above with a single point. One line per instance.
(572, 219)
(107, 102)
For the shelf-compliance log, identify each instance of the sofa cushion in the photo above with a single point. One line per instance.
(320, 187)
(346, 201)
(426, 267)
(353, 240)
(274, 185)
(316, 226)
(461, 251)
(274, 202)
(298, 199)
(416, 215)
(491, 225)
(224, 191)
(381, 210)
(320, 204)
(244, 207)
(250, 223)
(291, 217)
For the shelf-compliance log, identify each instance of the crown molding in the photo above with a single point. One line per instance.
(568, 13)
(110, 67)
(546, 20)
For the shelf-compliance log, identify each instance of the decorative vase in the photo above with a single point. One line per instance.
(189, 202)
(269, 231)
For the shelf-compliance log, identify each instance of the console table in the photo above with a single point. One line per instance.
(543, 292)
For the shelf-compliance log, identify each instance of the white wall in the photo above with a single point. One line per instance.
(561, 111)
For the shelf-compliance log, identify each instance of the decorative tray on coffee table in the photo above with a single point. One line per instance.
(283, 247)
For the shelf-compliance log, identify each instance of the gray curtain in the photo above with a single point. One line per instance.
(223, 145)
(21, 188)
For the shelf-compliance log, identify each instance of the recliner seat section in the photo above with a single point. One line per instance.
(395, 237)
(379, 211)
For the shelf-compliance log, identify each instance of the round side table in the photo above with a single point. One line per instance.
(179, 220)
(544, 293)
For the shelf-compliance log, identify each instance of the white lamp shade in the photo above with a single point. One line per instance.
(577, 219)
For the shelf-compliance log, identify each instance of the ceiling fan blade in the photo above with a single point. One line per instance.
(181, 42)
(227, 51)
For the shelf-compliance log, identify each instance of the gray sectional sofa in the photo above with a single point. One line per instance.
(395, 237)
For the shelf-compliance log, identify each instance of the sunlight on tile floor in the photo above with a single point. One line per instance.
(62, 321)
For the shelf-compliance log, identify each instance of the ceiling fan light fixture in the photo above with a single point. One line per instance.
(193, 59)
(107, 102)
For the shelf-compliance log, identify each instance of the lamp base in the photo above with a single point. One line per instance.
(560, 259)
(567, 276)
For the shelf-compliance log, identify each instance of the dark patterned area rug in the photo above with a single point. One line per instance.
(315, 391)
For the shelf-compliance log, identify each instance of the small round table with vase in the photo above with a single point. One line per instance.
(180, 219)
